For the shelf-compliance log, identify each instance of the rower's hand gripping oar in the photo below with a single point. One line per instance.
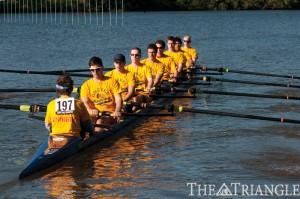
(191, 110)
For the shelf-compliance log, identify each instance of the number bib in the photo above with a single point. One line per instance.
(64, 105)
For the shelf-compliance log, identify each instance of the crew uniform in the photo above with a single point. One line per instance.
(125, 80)
(157, 67)
(170, 66)
(141, 73)
(101, 93)
(67, 124)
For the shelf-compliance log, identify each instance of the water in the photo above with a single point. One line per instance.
(159, 157)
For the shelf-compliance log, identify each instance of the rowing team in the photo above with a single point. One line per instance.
(134, 82)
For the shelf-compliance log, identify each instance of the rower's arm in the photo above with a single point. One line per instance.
(88, 103)
(129, 94)
(119, 101)
(157, 79)
(179, 67)
(150, 82)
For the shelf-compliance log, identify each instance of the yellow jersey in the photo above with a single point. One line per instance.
(191, 51)
(141, 73)
(125, 79)
(170, 66)
(66, 123)
(177, 57)
(157, 67)
(101, 93)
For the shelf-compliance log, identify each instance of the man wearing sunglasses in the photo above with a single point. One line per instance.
(101, 93)
(187, 48)
(188, 62)
(170, 72)
(142, 74)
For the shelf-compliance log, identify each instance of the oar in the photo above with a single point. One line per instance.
(226, 70)
(40, 108)
(210, 79)
(137, 114)
(26, 108)
(191, 83)
(8, 90)
(44, 73)
(55, 72)
(200, 91)
(191, 110)
(171, 96)
(204, 73)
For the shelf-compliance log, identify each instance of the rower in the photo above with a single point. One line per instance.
(187, 48)
(101, 93)
(157, 67)
(142, 74)
(66, 117)
(170, 72)
(123, 77)
(188, 61)
(177, 56)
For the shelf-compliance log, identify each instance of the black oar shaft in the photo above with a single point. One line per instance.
(204, 73)
(28, 108)
(247, 94)
(251, 73)
(191, 83)
(171, 96)
(209, 79)
(191, 110)
(199, 91)
(9, 106)
(240, 115)
(54, 72)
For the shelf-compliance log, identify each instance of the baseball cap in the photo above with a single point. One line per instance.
(120, 58)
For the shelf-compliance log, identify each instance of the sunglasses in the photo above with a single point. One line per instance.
(187, 41)
(93, 70)
(159, 47)
(134, 55)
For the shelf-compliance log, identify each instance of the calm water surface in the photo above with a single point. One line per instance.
(161, 155)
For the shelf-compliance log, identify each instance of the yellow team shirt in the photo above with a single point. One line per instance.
(101, 93)
(187, 57)
(141, 73)
(67, 124)
(177, 56)
(191, 51)
(125, 79)
(157, 67)
(170, 66)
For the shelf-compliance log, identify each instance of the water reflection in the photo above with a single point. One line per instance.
(120, 164)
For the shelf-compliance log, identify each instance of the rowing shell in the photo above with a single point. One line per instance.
(46, 157)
